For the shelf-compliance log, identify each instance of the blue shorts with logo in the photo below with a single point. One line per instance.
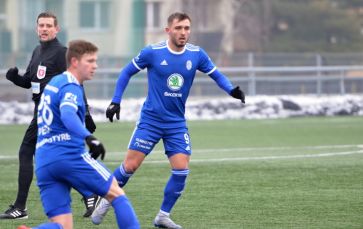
(56, 180)
(175, 140)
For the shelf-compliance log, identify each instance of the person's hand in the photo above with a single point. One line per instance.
(95, 147)
(113, 109)
(12, 73)
(90, 124)
(238, 94)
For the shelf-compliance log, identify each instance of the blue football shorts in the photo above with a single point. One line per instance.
(56, 180)
(175, 140)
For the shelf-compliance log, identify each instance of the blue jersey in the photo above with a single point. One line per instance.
(170, 77)
(55, 141)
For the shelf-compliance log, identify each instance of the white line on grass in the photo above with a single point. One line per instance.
(251, 158)
(257, 149)
(272, 157)
(256, 158)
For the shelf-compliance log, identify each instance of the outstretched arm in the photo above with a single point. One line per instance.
(122, 82)
(224, 83)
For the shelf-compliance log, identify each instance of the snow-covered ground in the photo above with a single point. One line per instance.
(257, 107)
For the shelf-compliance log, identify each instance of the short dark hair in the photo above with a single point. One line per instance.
(179, 16)
(48, 15)
(77, 48)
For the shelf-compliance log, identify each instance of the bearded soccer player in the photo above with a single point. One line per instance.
(171, 67)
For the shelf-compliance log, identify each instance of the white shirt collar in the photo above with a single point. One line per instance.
(174, 52)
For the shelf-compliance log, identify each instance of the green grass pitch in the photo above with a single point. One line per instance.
(278, 173)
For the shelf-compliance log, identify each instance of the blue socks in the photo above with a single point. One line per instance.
(174, 188)
(49, 226)
(121, 175)
(125, 215)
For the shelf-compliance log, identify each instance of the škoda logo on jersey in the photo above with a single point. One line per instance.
(175, 81)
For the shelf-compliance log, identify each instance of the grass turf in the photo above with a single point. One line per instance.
(280, 173)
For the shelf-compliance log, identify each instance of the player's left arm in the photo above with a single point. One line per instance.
(69, 116)
(72, 122)
(224, 83)
(207, 66)
(71, 98)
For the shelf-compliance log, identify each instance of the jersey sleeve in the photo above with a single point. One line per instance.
(71, 98)
(222, 81)
(142, 60)
(205, 65)
(123, 81)
(71, 95)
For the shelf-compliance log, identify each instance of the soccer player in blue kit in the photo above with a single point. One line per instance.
(171, 67)
(62, 162)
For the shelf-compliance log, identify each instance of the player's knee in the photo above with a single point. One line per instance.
(131, 166)
(133, 160)
(114, 191)
(179, 161)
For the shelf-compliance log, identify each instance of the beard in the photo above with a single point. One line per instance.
(179, 44)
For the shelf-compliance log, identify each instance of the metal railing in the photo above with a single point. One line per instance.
(319, 80)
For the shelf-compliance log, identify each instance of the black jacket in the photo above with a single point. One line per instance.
(50, 55)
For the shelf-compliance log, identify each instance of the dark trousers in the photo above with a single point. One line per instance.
(26, 155)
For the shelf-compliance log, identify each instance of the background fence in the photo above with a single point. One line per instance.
(257, 74)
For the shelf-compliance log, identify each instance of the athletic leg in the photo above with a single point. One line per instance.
(131, 163)
(173, 190)
(141, 144)
(178, 148)
(55, 194)
(125, 214)
(122, 174)
(26, 154)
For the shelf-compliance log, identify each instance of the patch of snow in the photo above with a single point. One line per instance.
(257, 107)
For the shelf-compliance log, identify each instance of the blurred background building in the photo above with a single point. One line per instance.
(237, 34)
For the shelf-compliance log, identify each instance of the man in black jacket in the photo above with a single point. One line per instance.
(48, 60)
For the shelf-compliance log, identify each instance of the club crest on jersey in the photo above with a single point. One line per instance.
(188, 65)
(42, 70)
(175, 81)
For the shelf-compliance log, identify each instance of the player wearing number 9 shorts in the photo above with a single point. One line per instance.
(171, 67)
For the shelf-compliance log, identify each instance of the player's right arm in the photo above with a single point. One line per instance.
(137, 64)
(122, 82)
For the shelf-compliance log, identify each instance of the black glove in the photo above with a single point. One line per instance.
(113, 109)
(12, 73)
(90, 124)
(238, 94)
(95, 147)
